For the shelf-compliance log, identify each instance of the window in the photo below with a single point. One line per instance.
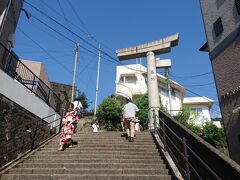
(197, 110)
(218, 27)
(130, 79)
(237, 4)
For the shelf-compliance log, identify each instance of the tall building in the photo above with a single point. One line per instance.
(222, 25)
(9, 15)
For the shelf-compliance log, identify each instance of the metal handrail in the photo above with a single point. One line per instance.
(33, 137)
(13, 130)
(17, 70)
(161, 132)
(8, 141)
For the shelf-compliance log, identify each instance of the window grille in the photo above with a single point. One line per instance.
(218, 27)
(237, 4)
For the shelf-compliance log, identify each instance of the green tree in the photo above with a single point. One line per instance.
(83, 99)
(109, 113)
(142, 104)
(183, 116)
(214, 134)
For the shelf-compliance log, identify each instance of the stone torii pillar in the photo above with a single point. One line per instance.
(149, 50)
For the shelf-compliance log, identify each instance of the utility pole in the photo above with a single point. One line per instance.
(169, 90)
(75, 70)
(98, 69)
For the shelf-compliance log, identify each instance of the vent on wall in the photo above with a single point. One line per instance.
(237, 4)
(218, 27)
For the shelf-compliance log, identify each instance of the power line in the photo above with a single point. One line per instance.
(197, 85)
(193, 76)
(91, 45)
(65, 18)
(62, 16)
(44, 50)
(59, 33)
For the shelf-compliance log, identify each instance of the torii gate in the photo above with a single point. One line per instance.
(150, 50)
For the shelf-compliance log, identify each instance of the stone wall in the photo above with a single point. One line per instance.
(226, 67)
(64, 92)
(229, 102)
(18, 129)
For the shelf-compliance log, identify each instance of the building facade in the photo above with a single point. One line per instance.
(64, 92)
(131, 81)
(222, 26)
(9, 15)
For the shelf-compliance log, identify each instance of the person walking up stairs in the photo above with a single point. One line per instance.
(97, 156)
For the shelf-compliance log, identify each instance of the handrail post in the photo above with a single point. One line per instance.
(186, 158)
(34, 136)
(164, 135)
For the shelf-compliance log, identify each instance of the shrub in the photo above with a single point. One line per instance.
(109, 113)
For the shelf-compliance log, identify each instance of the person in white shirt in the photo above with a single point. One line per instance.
(130, 111)
(95, 126)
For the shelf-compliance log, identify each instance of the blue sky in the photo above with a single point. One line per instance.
(115, 24)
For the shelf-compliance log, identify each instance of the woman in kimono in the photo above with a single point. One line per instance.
(67, 130)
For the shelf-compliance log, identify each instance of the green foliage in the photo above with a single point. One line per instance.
(83, 99)
(210, 132)
(183, 116)
(109, 113)
(142, 104)
(194, 128)
(213, 133)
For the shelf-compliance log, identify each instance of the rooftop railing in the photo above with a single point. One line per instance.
(10, 63)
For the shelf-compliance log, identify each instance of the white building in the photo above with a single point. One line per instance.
(199, 107)
(131, 81)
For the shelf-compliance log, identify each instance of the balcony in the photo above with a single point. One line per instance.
(123, 90)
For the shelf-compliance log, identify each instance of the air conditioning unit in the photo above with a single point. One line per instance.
(11, 40)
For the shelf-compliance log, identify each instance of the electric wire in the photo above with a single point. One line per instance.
(197, 85)
(84, 40)
(63, 66)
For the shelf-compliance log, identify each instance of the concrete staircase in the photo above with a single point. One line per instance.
(97, 156)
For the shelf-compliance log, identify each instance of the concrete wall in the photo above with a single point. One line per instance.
(211, 11)
(38, 69)
(18, 93)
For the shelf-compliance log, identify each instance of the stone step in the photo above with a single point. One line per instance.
(89, 138)
(122, 149)
(93, 165)
(106, 156)
(88, 171)
(83, 177)
(84, 140)
(79, 143)
(126, 145)
(99, 152)
(89, 160)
